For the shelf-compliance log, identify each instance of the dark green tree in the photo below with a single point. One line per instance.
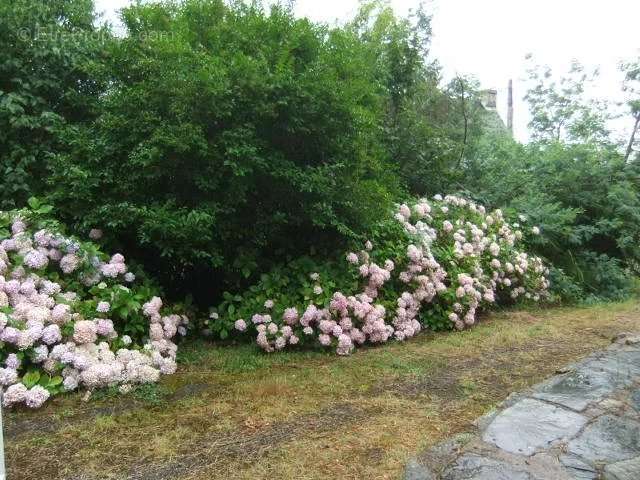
(228, 136)
(48, 52)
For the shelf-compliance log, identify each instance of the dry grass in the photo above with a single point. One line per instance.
(234, 413)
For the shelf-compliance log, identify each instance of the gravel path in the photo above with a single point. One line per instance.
(583, 424)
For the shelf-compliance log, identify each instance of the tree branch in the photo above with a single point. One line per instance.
(632, 138)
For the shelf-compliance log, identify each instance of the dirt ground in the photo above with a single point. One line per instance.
(232, 412)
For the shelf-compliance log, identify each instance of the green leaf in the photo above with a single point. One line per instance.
(33, 203)
(31, 378)
(45, 209)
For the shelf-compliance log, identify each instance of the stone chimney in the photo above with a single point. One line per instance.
(489, 98)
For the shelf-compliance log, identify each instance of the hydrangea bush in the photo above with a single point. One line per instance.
(435, 264)
(73, 317)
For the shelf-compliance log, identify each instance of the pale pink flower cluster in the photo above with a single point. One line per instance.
(39, 310)
(32, 398)
(344, 323)
(352, 258)
(114, 267)
(103, 307)
(427, 277)
(485, 264)
(484, 244)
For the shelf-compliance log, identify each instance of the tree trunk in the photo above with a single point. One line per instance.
(632, 139)
(466, 122)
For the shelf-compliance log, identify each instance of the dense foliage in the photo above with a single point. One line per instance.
(72, 316)
(47, 58)
(218, 140)
(436, 264)
(576, 183)
(216, 137)
(587, 202)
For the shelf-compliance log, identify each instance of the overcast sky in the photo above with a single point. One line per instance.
(490, 38)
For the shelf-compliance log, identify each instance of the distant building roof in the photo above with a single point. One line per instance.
(490, 117)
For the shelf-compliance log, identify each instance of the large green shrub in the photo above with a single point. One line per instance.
(213, 138)
(47, 57)
(230, 135)
(435, 264)
(72, 315)
(574, 181)
(586, 199)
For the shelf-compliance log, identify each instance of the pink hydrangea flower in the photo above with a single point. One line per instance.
(18, 226)
(85, 331)
(15, 394)
(103, 307)
(36, 396)
(8, 376)
(12, 361)
(290, 316)
(36, 260)
(105, 328)
(69, 263)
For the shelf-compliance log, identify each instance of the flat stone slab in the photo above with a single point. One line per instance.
(477, 467)
(635, 400)
(625, 470)
(577, 468)
(416, 471)
(592, 380)
(531, 425)
(580, 425)
(608, 439)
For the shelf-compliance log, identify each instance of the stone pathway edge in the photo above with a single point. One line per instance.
(583, 424)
